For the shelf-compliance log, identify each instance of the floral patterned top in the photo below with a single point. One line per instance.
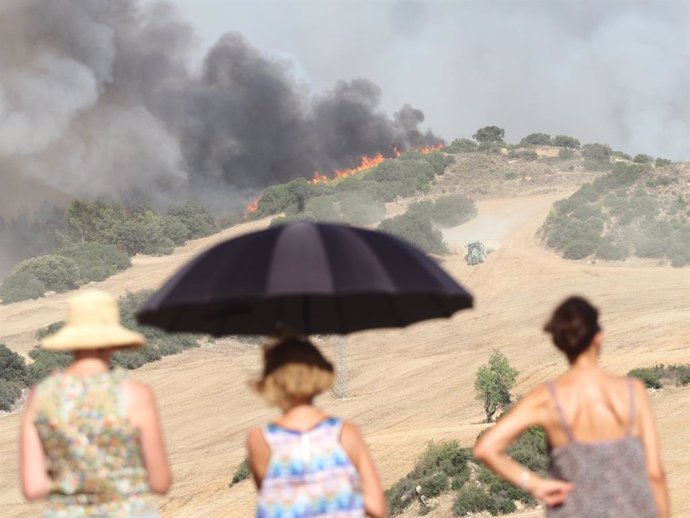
(309, 474)
(94, 455)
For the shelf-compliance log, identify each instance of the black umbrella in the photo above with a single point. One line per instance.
(307, 278)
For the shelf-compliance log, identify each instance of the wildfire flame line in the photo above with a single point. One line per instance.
(365, 162)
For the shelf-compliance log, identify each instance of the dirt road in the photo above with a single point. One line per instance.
(407, 386)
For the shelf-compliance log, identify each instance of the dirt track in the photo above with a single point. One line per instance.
(408, 386)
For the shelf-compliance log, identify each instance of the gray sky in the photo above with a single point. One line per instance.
(615, 71)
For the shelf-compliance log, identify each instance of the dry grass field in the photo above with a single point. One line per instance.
(407, 386)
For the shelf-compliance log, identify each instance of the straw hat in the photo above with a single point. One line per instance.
(93, 322)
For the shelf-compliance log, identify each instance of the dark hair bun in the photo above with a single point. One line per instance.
(573, 326)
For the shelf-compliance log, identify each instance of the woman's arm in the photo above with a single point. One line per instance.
(650, 440)
(356, 448)
(33, 463)
(491, 446)
(144, 415)
(258, 454)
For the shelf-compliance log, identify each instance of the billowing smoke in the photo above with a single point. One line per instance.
(97, 97)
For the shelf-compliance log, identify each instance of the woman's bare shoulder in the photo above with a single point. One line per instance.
(139, 393)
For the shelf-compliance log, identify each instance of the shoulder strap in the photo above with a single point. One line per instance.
(559, 409)
(631, 413)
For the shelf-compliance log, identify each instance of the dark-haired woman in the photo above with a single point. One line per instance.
(604, 449)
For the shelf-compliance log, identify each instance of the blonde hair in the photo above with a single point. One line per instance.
(294, 371)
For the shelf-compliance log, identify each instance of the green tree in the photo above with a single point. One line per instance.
(641, 158)
(12, 365)
(565, 141)
(596, 151)
(662, 162)
(536, 139)
(493, 383)
(489, 135)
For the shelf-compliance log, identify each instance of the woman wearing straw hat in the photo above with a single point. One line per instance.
(91, 441)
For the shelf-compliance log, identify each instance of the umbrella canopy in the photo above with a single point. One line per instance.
(307, 278)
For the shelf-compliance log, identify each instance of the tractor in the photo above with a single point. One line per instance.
(476, 253)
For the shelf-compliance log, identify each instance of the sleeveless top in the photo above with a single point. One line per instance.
(610, 476)
(309, 474)
(94, 456)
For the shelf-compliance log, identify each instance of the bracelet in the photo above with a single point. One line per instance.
(524, 479)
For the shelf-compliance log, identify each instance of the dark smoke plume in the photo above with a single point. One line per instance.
(96, 97)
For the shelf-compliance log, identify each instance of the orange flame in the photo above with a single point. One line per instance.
(365, 162)
(251, 208)
(429, 149)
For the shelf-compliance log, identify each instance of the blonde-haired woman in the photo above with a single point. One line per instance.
(306, 463)
(91, 441)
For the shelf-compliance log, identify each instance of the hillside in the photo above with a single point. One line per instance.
(206, 407)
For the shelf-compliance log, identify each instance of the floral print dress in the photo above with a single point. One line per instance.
(94, 455)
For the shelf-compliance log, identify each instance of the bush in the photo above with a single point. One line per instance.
(600, 152)
(95, 261)
(193, 216)
(10, 391)
(462, 145)
(21, 286)
(662, 162)
(440, 464)
(471, 499)
(565, 141)
(565, 154)
(361, 208)
(12, 366)
(524, 154)
(641, 158)
(418, 230)
(650, 377)
(55, 272)
(45, 362)
(242, 472)
(454, 210)
(536, 139)
(322, 208)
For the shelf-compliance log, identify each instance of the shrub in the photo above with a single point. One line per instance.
(662, 162)
(440, 464)
(361, 208)
(21, 286)
(10, 391)
(462, 145)
(174, 229)
(565, 154)
(650, 377)
(322, 208)
(454, 210)
(95, 261)
(55, 272)
(12, 366)
(193, 216)
(143, 235)
(641, 158)
(536, 139)
(279, 198)
(418, 230)
(524, 154)
(471, 499)
(241, 473)
(596, 151)
(565, 141)
(45, 362)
